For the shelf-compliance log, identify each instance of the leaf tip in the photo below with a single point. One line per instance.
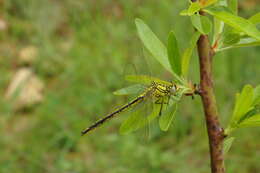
(138, 20)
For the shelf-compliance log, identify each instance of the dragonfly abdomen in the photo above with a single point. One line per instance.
(106, 118)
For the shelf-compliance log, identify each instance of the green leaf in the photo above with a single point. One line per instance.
(153, 44)
(222, 3)
(233, 6)
(155, 112)
(239, 23)
(206, 24)
(174, 53)
(230, 36)
(245, 42)
(133, 122)
(188, 53)
(218, 29)
(140, 117)
(243, 104)
(133, 89)
(256, 98)
(193, 8)
(227, 144)
(152, 116)
(206, 3)
(201, 23)
(255, 19)
(167, 118)
(184, 13)
(253, 121)
(143, 79)
(252, 112)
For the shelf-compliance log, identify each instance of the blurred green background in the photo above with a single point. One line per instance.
(82, 50)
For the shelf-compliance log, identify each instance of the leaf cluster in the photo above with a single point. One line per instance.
(230, 30)
(246, 112)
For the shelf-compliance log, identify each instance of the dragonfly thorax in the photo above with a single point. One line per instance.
(161, 90)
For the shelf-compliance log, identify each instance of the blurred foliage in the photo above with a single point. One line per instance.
(84, 47)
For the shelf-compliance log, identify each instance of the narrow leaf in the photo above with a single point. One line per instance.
(222, 3)
(239, 23)
(153, 44)
(174, 53)
(184, 13)
(193, 8)
(230, 36)
(188, 53)
(245, 42)
(255, 19)
(166, 119)
(155, 113)
(249, 114)
(132, 123)
(233, 6)
(243, 104)
(227, 144)
(129, 125)
(253, 121)
(201, 23)
(218, 29)
(256, 98)
(143, 79)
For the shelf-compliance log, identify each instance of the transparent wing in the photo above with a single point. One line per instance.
(144, 79)
(140, 116)
(132, 89)
(168, 112)
(167, 117)
(149, 128)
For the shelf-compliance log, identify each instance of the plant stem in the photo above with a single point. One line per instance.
(215, 132)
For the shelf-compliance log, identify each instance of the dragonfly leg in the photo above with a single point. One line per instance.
(161, 108)
(168, 100)
(158, 101)
(162, 101)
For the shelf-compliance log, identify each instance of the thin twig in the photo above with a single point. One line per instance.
(215, 132)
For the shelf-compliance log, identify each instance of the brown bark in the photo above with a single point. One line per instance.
(215, 132)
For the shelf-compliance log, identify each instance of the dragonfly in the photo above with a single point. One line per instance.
(158, 92)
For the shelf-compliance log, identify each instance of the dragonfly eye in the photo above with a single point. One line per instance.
(173, 89)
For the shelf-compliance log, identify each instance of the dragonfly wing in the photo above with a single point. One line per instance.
(138, 117)
(132, 89)
(150, 116)
(167, 116)
(144, 79)
(148, 129)
(132, 123)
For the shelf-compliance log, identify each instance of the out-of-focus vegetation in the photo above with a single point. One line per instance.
(83, 48)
